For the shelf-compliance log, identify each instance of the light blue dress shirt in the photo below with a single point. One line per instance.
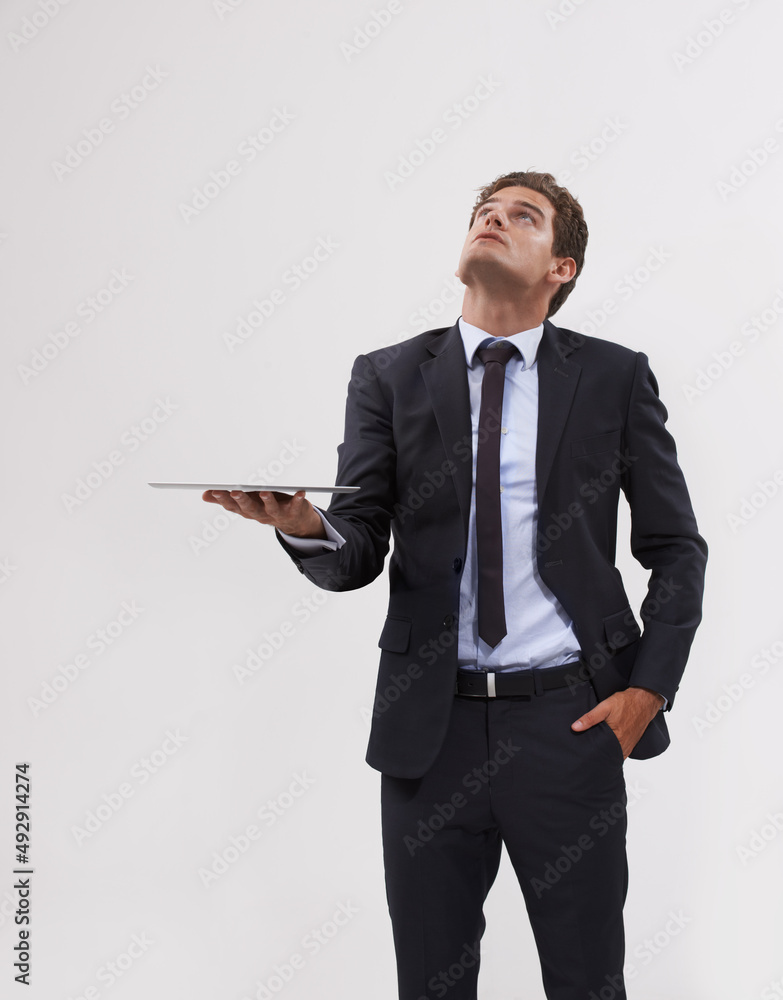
(540, 633)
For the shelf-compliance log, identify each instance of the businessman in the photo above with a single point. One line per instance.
(514, 676)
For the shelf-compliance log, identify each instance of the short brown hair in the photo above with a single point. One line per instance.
(570, 228)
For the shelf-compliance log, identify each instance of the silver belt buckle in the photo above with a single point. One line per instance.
(491, 693)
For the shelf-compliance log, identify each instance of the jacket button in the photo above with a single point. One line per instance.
(457, 564)
(448, 621)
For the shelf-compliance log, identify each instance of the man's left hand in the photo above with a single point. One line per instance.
(628, 713)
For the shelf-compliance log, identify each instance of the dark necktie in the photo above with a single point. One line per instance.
(489, 532)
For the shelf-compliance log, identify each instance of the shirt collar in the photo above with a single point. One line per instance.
(526, 341)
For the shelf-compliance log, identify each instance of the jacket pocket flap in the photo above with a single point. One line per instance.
(596, 443)
(621, 629)
(395, 635)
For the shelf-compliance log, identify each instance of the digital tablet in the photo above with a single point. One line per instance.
(254, 487)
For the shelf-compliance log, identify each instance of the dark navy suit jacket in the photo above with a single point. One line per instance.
(601, 429)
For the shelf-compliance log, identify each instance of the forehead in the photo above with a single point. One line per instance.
(508, 196)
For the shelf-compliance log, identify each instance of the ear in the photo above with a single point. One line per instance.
(563, 269)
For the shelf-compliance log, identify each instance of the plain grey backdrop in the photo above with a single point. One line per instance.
(208, 210)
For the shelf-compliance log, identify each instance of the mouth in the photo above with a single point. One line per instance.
(488, 236)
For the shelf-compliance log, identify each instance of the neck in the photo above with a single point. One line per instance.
(501, 317)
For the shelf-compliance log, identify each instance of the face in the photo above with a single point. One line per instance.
(510, 242)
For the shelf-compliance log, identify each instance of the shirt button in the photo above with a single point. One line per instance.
(501, 489)
(504, 430)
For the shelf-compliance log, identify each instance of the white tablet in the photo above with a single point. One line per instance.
(254, 487)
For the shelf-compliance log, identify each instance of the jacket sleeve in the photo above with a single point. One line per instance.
(664, 539)
(367, 458)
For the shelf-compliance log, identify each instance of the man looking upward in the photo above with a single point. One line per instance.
(494, 452)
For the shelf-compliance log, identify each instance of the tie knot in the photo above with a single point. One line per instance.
(501, 353)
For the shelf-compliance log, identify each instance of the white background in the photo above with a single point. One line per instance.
(668, 101)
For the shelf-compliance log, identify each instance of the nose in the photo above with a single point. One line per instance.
(493, 218)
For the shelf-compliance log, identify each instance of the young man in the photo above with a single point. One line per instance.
(514, 677)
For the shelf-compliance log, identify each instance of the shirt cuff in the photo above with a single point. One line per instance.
(312, 546)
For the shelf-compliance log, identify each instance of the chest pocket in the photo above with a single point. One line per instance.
(607, 441)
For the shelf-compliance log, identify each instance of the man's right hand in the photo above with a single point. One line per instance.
(292, 515)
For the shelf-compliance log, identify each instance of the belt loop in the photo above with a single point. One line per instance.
(538, 684)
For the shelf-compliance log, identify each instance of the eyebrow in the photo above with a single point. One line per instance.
(524, 204)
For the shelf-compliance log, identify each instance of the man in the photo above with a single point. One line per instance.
(514, 677)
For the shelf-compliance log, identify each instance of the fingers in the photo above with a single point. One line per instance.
(280, 509)
(627, 721)
(237, 502)
(261, 507)
(277, 509)
(270, 504)
(593, 717)
(220, 497)
(584, 722)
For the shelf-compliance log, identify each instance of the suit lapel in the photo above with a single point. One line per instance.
(557, 380)
(446, 378)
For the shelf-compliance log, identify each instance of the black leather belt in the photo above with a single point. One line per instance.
(513, 683)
